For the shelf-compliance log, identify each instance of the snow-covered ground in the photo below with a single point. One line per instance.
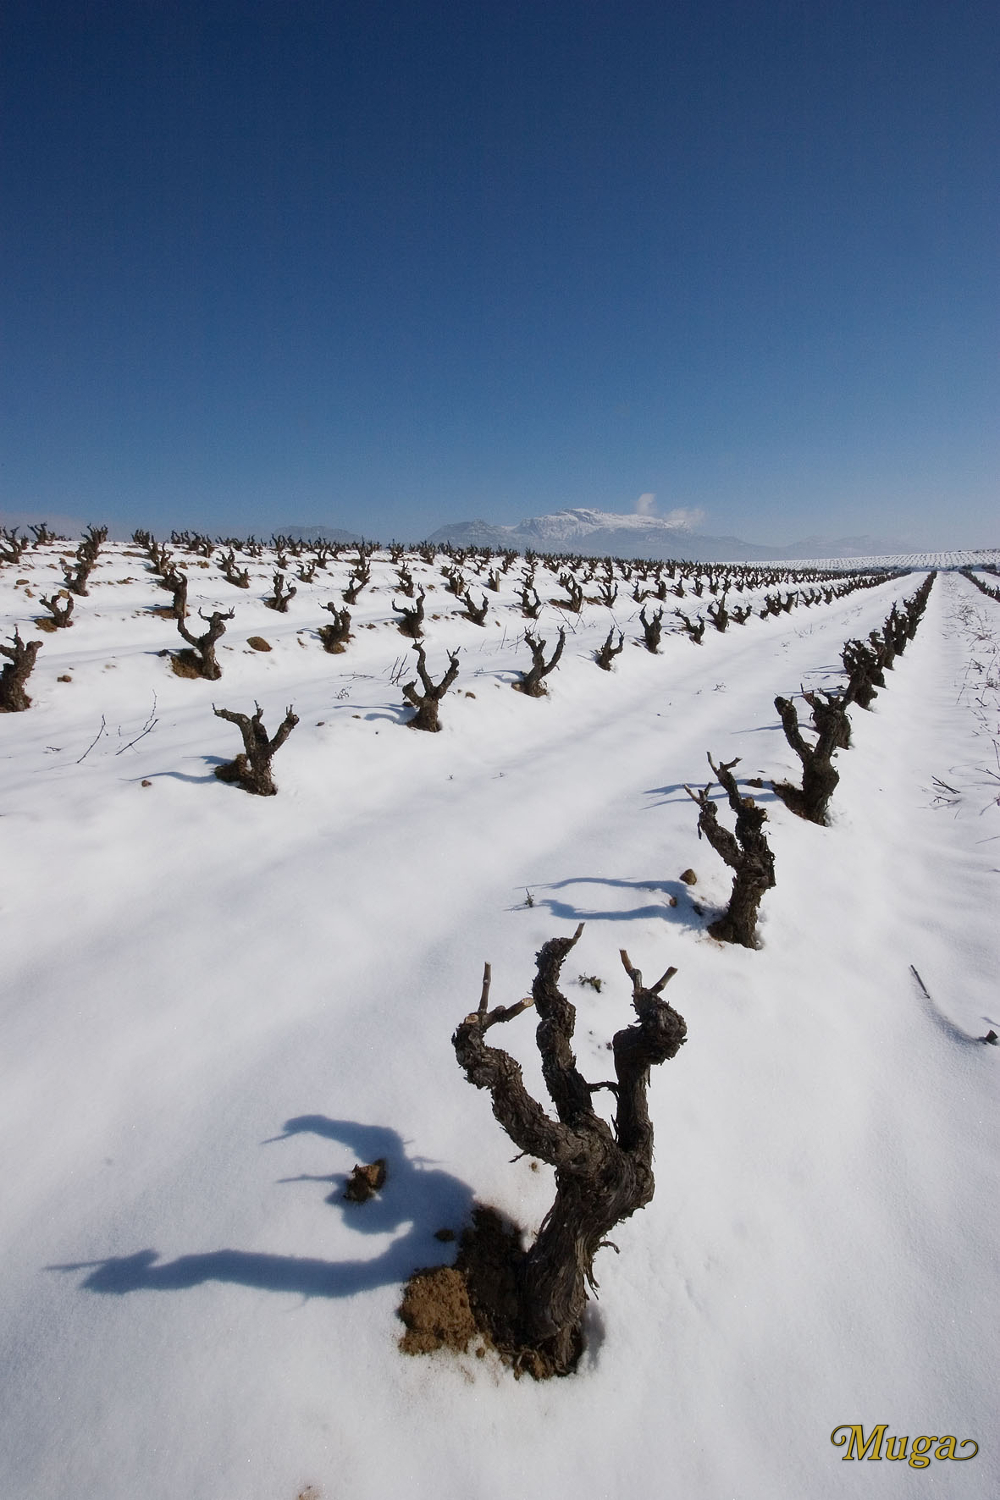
(214, 1005)
(964, 558)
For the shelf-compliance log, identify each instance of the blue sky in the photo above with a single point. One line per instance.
(388, 263)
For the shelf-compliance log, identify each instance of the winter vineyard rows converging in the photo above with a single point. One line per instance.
(517, 621)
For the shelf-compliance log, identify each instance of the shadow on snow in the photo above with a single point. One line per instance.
(676, 791)
(416, 1198)
(681, 915)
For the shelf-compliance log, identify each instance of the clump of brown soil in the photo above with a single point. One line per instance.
(365, 1181)
(258, 643)
(437, 1312)
(185, 664)
(447, 1307)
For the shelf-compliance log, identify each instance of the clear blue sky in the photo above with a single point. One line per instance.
(387, 263)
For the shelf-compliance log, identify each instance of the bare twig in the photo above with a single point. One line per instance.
(148, 728)
(923, 986)
(93, 742)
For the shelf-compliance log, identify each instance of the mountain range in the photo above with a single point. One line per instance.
(599, 533)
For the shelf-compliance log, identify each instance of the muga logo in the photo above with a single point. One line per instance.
(897, 1450)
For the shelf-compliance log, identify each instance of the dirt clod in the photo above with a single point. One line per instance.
(437, 1312)
(447, 1307)
(258, 643)
(365, 1181)
(689, 877)
(184, 664)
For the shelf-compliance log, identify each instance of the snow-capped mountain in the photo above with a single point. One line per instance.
(602, 533)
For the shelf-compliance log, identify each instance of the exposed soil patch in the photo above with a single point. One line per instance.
(474, 1301)
(185, 664)
(437, 1312)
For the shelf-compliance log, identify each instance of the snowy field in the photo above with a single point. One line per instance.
(214, 1005)
(955, 559)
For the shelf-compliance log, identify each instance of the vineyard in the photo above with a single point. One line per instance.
(265, 812)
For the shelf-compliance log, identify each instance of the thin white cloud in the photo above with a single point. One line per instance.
(645, 505)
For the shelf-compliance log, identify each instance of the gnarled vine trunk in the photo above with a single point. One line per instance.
(746, 852)
(604, 1172)
(820, 778)
(252, 769)
(15, 673)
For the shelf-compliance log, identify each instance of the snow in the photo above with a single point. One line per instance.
(574, 523)
(580, 521)
(955, 558)
(214, 1005)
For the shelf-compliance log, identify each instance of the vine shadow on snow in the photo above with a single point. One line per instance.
(416, 1194)
(207, 760)
(390, 713)
(676, 791)
(683, 914)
